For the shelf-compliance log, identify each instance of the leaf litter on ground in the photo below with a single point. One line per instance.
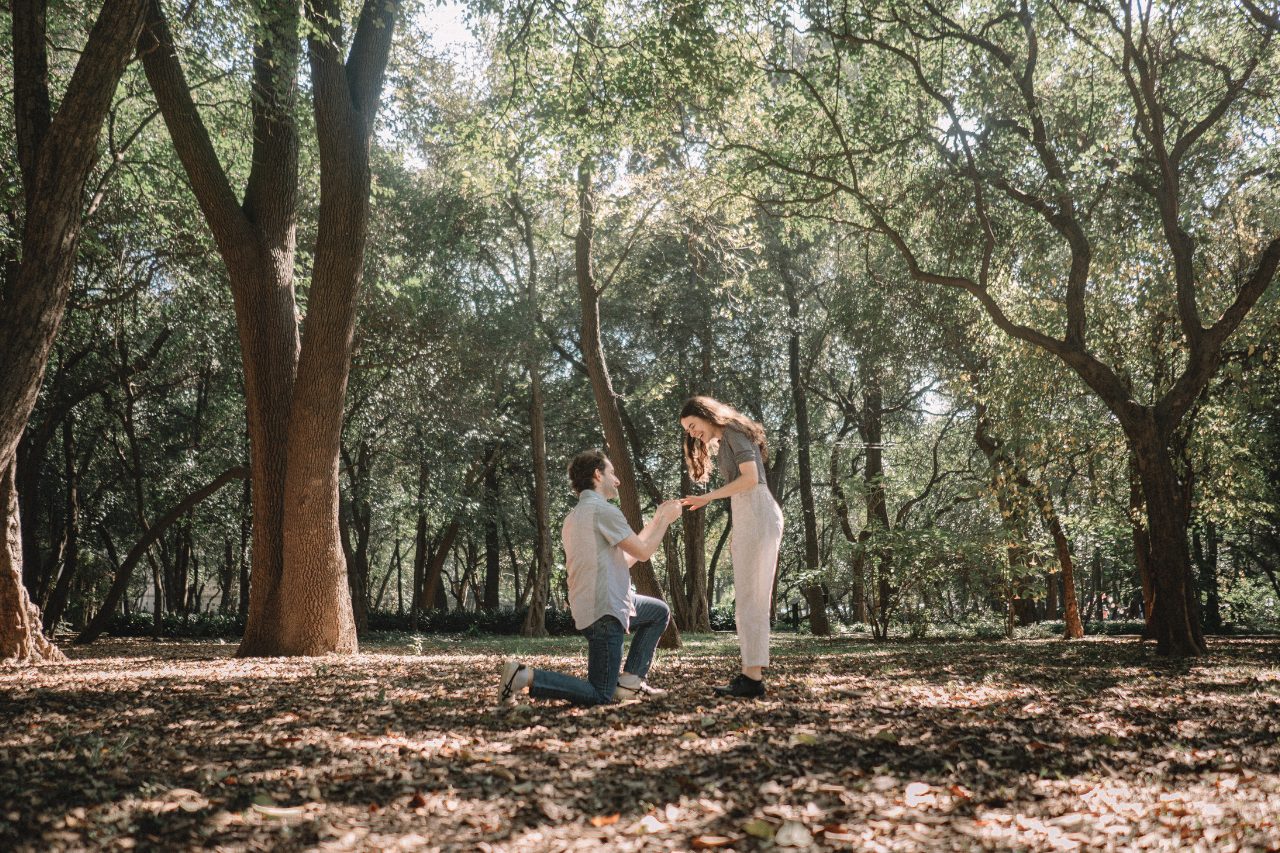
(1037, 745)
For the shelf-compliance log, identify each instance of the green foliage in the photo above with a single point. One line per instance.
(1251, 604)
(176, 625)
(735, 148)
(501, 622)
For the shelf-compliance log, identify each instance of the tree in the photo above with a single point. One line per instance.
(295, 377)
(1017, 172)
(56, 151)
(811, 587)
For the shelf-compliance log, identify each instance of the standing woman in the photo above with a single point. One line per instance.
(739, 445)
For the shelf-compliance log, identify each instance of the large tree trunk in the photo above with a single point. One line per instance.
(56, 152)
(602, 388)
(810, 584)
(317, 618)
(256, 241)
(300, 603)
(21, 638)
(1175, 608)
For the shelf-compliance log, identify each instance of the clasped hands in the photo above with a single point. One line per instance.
(668, 511)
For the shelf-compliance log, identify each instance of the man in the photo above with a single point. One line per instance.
(600, 548)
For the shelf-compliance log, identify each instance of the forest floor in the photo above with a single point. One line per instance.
(1039, 745)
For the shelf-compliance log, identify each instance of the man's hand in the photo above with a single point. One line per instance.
(668, 511)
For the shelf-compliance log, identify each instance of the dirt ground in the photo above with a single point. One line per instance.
(1037, 745)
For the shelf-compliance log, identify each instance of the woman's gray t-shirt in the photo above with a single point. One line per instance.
(737, 447)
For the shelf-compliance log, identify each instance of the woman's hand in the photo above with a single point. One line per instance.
(695, 502)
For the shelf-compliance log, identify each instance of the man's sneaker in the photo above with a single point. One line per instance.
(743, 686)
(643, 690)
(513, 681)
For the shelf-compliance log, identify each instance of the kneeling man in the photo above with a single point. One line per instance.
(600, 548)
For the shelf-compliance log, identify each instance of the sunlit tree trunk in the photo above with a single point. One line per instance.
(56, 152)
(295, 380)
(811, 585)
(602, 387)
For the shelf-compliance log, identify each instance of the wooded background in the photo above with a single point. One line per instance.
(305, 311)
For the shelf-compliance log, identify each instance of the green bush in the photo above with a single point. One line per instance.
(722, 618)
(1250, 604)
(502, 622)
(195, 625)
(177, 625)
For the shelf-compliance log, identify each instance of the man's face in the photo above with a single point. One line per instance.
(607, 482)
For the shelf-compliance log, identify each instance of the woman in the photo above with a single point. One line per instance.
(739, 445)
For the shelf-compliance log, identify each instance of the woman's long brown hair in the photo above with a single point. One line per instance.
(696, 454)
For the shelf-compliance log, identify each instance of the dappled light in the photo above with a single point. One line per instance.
(1012, 744)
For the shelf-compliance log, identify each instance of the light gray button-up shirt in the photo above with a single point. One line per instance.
(599, 579)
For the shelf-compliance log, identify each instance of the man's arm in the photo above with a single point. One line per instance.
(641, 546)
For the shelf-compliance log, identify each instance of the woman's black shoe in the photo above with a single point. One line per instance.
(743, 686)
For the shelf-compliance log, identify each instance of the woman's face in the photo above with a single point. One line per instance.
(700, 428)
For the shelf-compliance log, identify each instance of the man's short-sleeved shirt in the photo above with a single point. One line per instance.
(599, 580)
(737, 447)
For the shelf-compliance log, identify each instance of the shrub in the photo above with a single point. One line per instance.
(722, 618)
(177, 625)
(194, 625)
(502, 622)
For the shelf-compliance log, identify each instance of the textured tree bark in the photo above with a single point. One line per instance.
(56, 152)
(642, 574)
(21, 638)
(300, 602)
(695, 563)
(317, 619)
(256, 240)
(492, 555)
(811, 586)
(1175, 608)
(539, 588)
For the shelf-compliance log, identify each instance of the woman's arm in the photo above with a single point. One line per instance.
(746, 479)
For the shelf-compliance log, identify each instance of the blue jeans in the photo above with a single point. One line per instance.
(604, 656)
